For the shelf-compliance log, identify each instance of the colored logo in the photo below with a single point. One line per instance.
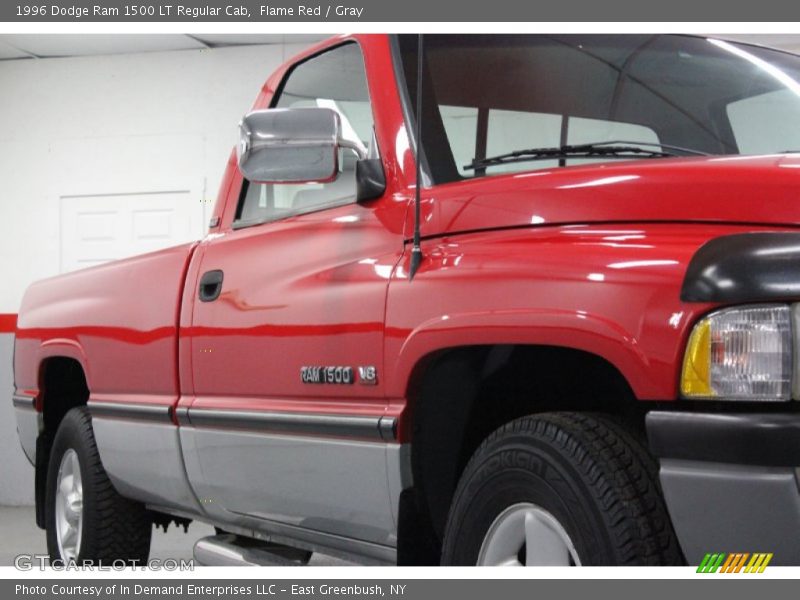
(735, 563)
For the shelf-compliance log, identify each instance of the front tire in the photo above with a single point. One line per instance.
(87, 521)
(560, 489)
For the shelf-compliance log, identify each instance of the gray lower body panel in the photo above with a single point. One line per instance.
(299, 486)
(730, 481)
(320, 482)
(28, 425)
(144, 461)
(733, 508)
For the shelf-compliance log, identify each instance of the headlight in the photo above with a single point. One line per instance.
(740, 354)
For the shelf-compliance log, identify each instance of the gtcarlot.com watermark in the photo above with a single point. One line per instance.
(29, 562)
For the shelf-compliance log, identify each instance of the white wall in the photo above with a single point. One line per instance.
(112, 124)
(16, 473)
(106, 125)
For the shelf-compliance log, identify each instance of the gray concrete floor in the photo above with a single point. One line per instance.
(19, 535)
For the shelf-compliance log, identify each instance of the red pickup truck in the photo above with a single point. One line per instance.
(590, 357)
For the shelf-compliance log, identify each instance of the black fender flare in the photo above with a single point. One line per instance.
(744, 267)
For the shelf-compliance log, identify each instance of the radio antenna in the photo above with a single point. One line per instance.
(416, 249)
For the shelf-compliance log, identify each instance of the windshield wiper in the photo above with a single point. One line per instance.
(613, 149)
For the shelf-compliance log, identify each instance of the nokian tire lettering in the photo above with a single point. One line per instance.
(592, 476)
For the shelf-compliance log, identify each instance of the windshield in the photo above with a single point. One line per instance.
(490, 95)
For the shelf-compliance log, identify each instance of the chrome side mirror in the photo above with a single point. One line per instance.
(292, 145)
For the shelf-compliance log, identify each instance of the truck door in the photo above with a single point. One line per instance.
(289, 429)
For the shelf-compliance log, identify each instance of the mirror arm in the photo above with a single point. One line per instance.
(356, 147)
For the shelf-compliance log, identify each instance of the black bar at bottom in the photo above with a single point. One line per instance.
(771, 440)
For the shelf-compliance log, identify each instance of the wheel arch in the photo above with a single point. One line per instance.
(63, 385)
(580, 331)
(458, 395)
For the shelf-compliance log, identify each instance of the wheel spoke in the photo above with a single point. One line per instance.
(69, 506)
(66, 485)
(62, 523)
(69, 537)
(525, 534)
(72, 508)
(76, 474)
(511, 562)
(503, 541)
(544, 546)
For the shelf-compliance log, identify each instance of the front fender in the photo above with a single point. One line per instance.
(577, 330)
(612, 290)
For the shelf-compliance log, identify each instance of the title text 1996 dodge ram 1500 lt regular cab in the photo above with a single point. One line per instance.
(589, 358)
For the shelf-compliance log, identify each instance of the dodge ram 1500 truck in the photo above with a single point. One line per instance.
(573, 339)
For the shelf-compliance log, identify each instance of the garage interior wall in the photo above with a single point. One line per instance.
(146, 134)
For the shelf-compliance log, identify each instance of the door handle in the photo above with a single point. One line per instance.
(210, 285)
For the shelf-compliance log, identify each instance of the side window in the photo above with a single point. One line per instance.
(335, 79)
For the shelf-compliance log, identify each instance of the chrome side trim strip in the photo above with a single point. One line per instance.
(27, 402)
(140, 412)
(362, 427)
(182, 415)
(388, 428)
(371, 428)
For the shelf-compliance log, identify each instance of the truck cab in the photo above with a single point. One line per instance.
(497, 300)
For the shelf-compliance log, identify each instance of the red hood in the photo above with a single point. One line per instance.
(724, 189)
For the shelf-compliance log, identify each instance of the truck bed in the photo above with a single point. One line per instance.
(123, 314)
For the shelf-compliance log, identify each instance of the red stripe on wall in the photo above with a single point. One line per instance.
(8, 323)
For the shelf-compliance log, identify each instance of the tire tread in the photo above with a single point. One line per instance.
(618, 471)
(118, 529)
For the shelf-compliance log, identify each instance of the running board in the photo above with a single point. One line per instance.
(228, 550)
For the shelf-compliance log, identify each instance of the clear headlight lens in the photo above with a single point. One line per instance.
(740, 354)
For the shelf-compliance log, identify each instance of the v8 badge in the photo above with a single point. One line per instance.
(367, 375)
